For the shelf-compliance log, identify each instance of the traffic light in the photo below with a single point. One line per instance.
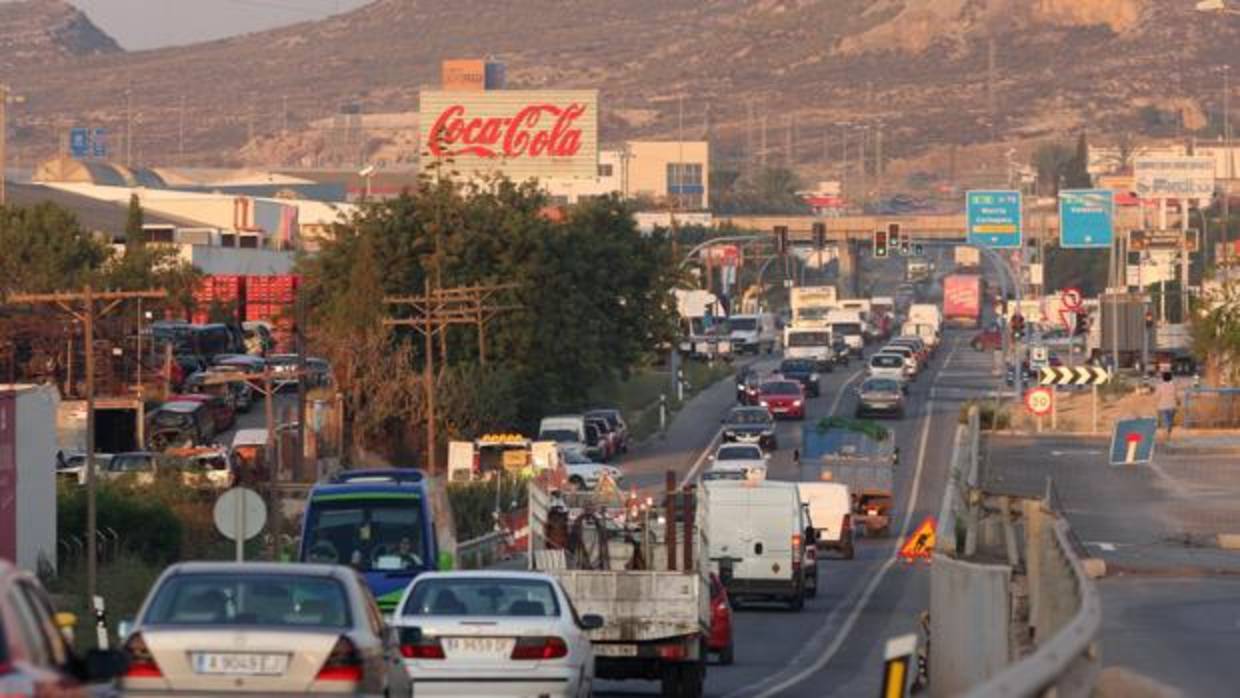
(919, 250)
(781, 239)
(904, 246)
(820, 236)
(1018, 326)
(880, 243)
(1082, 325)
(893, 234)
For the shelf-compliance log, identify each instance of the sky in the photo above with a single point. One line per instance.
(143, 24)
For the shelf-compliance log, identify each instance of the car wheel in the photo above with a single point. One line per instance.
(774, 445)
(727, 655)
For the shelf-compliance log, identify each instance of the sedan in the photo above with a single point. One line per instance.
(750, 425)
(738, 461)
(893, 366)
(516, 633)
(583, 473)
(261, 628)
(880, 396)
(803, 371)
(783, 398)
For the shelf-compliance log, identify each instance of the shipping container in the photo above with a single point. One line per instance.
(962, 300)
(28, 475)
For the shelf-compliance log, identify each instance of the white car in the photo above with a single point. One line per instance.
(584, 473)
(910, 357)
(737, 461)
(889, 365)
(514, 633)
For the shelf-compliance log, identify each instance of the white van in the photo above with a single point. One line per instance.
(850, 325)
(563, 429)
(813, 343)
(830, 510)
(753, 334)
(756, 532)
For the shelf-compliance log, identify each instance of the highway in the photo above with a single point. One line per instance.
(834, 646)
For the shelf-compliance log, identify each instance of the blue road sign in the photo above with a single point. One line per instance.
(79, 142)
(99, 143)
(1132, 441)
(994, 218)
(1086, 218)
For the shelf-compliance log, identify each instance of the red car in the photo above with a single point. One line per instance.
(720, 640)
(987, 340)
(784, 398)
(222, 412)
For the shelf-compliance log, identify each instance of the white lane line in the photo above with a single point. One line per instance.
(855, 614)
(835, 404)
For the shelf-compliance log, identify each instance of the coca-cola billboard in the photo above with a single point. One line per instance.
(519, 133)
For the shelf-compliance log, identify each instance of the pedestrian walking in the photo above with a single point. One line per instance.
(1166, 401)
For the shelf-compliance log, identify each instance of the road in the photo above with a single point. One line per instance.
(834, 646)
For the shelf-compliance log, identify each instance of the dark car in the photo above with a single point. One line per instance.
(747, 384)
(176, 423)
(750, 425)
(804, 371)
(223, 411)
(880, 396)
(618, 425)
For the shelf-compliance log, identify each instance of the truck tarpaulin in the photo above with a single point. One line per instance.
(962, 300)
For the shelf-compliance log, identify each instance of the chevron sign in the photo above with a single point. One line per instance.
(1078, 375)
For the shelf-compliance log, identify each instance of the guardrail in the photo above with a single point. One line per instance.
(477, 553)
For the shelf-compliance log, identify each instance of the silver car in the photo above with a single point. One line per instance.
(261, 628)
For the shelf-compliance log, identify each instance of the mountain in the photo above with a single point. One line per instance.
(931, 72)
(46, 32)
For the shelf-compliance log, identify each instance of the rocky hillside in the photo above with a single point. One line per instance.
(802, 67)
(46, 32)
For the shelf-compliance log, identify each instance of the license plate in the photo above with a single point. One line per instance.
(615, 650)
(479, 646)
(240, 664)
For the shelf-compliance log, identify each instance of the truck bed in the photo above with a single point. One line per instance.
(639, 606)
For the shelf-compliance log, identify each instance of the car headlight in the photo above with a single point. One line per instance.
(764, 403)
(813, 377)
(796, 403)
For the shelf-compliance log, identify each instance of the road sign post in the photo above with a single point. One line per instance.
(1132, 441)
(920, 543)
(994, 219)
(239, 514)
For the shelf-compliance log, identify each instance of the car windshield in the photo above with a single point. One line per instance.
(174, 420)
(749, 417)
(781, 388)
(739, 453)
(880, 385)
(887, 361)
(744, 324)
(482, 596)
(272, 600)
(575, 458)
(809, 339)
(560, 436)
(725, 474)
(796, 367)
(378, 531)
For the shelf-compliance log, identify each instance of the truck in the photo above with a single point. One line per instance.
(968, 257)
(916, 270)
(816, 343)
(491, 454)
(962, 300)
(861, 454)
(638, 565)
(851, 325)
(753, 333)
(703, 324)
(120, 425)
(810, 304)
(925, 320)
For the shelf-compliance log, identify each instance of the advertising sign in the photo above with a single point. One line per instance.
(1142, 240)
(994, 218)
(521, 134)
(1174, 177)
(1086, 218)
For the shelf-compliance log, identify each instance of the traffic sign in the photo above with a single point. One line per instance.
(994, 218)
(1074, 375)
(919, 544)
(1071, 299)
(1086, 218)
(1038, 357)
(99, 143)
(239, 515)
(79, 142)
(1039, 401)
(1132, 442)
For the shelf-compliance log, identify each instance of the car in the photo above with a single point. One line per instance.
(608, 437)
(753, 425)
(720, 640)
(1059, 339)
(226, 381)
(596, 445)
(177, 423)
(262, 629)
(516, 633)
(36, 656)
(618, 425)
(284, 370)
(747, 383)
(223, 414)
(889, 365)
(802, 370)
(784, 398)
(917, 344)
(140, 464)
(910, 357)
(738, 462)
(881, 396)
(584, 473)
(988, 339)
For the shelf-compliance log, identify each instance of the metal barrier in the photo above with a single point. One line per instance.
(1211, 407)
(477, 553)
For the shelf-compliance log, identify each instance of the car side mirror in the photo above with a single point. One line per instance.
(104, 665)
(592, 621)
(124, 629)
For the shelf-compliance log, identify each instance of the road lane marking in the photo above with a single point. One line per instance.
(855, 612)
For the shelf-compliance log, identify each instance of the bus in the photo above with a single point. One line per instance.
(381, 523)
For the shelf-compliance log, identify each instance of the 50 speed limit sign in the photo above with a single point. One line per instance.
(1039, 401)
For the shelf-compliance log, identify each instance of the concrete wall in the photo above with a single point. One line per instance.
(969, 612)
(648, 161)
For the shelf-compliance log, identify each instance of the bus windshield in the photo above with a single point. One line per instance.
(380, 534)
(809, 339)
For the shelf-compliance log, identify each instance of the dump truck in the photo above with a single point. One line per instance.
(861, 454)
(639, 565)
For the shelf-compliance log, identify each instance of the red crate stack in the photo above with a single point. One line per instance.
(271, 299)
(226, 290)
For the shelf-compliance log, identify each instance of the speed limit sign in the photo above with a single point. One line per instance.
(1039, 401)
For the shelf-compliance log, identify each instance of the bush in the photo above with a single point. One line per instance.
(123, 584)
(990, 417)
(474, 503)
(149, 528)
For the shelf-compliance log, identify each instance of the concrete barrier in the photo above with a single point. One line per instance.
(969, 618)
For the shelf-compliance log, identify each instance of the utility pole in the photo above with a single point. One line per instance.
(81, 305)
(749, 139)
(878, 161)
(249, 125)
(284, 114)
(1230, 160)
(762, 155)
(433, 312)
(991, 101)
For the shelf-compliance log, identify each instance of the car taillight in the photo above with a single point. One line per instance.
(414, 645)
(344, 663)
(535, 648)
(141, 662)
(674, 652)
(796, 550)
(872, 511)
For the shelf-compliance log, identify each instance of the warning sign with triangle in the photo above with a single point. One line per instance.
(920, 543)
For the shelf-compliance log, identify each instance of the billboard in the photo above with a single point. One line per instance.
(471, 75)
(1086, 218)
(994, 218)
(522, 134)
(1174, 177)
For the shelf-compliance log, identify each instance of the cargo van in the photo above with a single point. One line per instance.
(830, 510)
(851, 326)
(753, 334)
(564, 429)
(757, 533)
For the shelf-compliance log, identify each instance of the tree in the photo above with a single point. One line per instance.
(45, 249)
(1076, 170)
(1216, 334)
(771, 190)
(134, 235)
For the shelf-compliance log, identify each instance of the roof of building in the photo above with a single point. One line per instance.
(95, 215)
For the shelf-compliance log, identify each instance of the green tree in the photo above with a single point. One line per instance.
(1076, 170)
(45, 249)
(772, 190)
(1216, 334)
(134, 219)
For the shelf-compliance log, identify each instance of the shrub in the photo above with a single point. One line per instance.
(990, 417)
(473, 503)
(148, 528)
